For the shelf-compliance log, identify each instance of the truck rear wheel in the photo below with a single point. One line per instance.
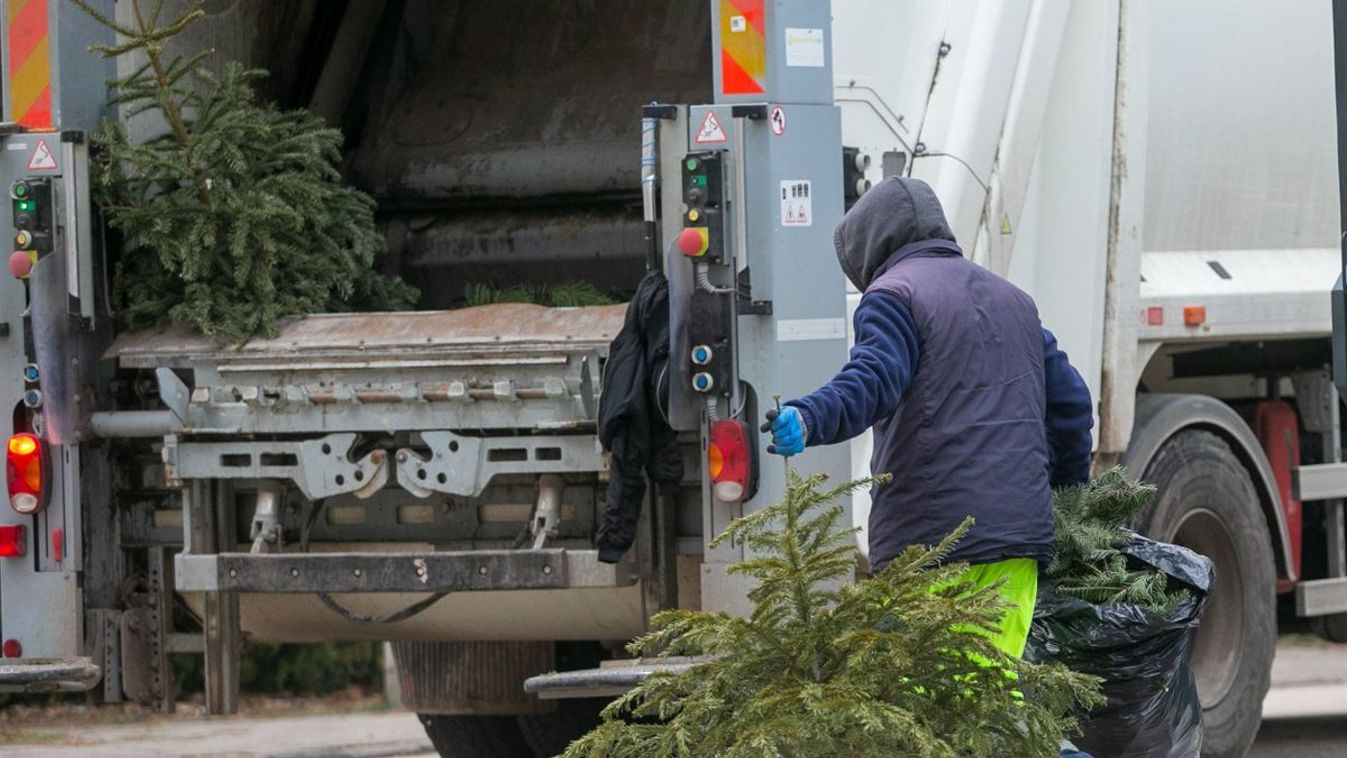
(551, 733)
(1207, 502)
(475, 736)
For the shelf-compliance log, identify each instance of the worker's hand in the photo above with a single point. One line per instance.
(787, 428)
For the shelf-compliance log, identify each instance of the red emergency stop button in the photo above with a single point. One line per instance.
(21, 264)
(693, 241)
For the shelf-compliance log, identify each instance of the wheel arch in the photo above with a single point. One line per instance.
(1161, 416)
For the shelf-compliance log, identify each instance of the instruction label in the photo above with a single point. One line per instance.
(711, 131)
(797, 207)
(804, 47)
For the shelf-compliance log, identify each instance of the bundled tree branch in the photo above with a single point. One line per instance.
(1091, 524)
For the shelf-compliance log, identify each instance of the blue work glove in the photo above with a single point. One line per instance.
(787, 428)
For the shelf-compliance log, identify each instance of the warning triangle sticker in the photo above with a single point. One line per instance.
(711, 130)
(42, 158)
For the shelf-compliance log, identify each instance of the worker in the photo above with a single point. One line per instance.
(975, 410)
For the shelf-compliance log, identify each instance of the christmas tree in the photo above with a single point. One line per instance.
(899, 664)
(232, 212)
(1091, 523)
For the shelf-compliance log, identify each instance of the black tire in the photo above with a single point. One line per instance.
(549, 734)
(1207, 502)
(1332, 627)
(475, 736)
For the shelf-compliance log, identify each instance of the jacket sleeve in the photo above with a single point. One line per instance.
(1070, 417)
(873, 382)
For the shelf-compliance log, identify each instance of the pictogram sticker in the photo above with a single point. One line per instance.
(42, 159)
(797, 207)
(778, 120)
(711, 130)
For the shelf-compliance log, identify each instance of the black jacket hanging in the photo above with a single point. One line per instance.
(631, 424)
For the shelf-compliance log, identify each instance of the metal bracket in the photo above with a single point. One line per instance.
(463, 466)
(319, 467)
(173, 393)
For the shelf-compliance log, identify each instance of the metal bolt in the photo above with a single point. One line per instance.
(547, 569)
(944, 49)
(919, 148)
(233, 573)
(402, 457)
(357, 572)
(294, 573)
(481, 570)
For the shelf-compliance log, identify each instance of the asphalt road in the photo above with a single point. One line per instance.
(1305, 713)
(1305, 716)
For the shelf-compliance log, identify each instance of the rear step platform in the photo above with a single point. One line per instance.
(48, 675)
(611, 679)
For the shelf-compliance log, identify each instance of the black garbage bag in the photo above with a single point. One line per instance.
(1142, 656)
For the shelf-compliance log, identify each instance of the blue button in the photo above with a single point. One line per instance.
(33, 398)
(701, 355)
(30, 372)
(702, 382)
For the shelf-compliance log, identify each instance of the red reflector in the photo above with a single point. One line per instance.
(727, 460)
(58, 545)
(1194, 315)
(13, 541)
(13, 649)
(24, 470)
(1155, 316)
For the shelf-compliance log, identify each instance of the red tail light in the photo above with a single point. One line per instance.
(13, 541)
(25, 472)
(727, 460)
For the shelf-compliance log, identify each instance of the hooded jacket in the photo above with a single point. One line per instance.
(975, 410)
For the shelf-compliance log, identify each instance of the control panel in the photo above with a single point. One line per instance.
(31, 198)
(702, 241)
(702, 238)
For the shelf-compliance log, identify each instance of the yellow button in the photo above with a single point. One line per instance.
(694, 214)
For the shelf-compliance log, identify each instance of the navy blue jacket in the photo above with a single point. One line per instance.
(976, 411)
(871, 384)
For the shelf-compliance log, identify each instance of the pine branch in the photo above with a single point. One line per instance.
(1091, 525)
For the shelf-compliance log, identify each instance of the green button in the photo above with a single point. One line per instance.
(20, 189)
(692, 164)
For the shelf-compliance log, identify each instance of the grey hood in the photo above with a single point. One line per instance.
(894, 214)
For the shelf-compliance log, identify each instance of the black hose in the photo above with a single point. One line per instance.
(315, 509)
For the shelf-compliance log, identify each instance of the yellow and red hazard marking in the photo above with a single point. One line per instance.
(29, 64)
(743, 47)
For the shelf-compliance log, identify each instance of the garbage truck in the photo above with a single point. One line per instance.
(1161, 178)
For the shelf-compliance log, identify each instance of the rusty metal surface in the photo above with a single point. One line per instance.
(503, 327)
